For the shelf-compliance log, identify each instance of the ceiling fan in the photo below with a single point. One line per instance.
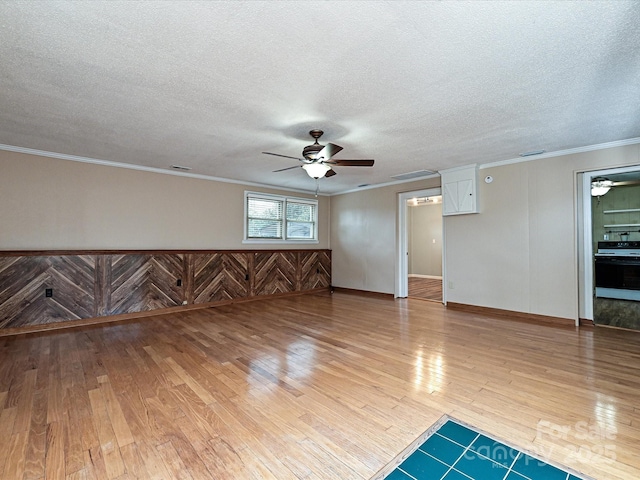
(317, 160)
(601, 185)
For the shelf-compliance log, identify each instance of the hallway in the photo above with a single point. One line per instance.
(425, 288)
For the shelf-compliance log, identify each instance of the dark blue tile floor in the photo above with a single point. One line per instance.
(457, 452)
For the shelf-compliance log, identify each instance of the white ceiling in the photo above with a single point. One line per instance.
(414, 85)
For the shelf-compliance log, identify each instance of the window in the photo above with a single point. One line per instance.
(273, 218)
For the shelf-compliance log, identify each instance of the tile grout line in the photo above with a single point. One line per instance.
(406, 473)
(510, 468)
(461, 455)
(563, 468)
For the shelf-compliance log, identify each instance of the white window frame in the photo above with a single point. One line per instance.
(284, 199)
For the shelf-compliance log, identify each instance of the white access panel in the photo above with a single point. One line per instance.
(459, 190)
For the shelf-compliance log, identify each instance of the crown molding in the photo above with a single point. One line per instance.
(460, 167)
(108, 163)
(386, 184)
(559, 153)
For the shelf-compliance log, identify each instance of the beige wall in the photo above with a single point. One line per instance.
(424, 228)
(520, 253)
(59, 204)
(363, 236)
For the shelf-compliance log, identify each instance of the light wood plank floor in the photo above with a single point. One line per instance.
(425, 288)
(309, 387)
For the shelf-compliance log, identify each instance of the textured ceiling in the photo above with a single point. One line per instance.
(414, 85)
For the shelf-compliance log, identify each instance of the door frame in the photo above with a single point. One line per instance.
(585, 260)
(402, 243)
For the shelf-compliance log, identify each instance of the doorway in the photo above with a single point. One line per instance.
(610, 235)
(420, 245)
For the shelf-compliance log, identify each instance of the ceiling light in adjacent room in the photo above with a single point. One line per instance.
(414, 202)
(600, 186)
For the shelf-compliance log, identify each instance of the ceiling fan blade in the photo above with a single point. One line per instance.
(351, 163)
(330, 173)
(329, 150)
(288, 168)
(278, 155)
(626, 183)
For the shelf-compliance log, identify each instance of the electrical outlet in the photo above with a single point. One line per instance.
(450, 284)
(48, 292)
(184, 302)
(179, 282)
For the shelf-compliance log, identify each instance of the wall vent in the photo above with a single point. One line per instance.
(416, 174)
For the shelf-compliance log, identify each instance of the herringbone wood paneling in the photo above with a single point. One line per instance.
(315, 270)
(111, 283)
(144, 282)
(127, 285)
(24, 280)
(220, 276)
(166, 270)
(275, 272)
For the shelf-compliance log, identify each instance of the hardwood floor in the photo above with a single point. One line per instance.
(425, 288)
(309, 387)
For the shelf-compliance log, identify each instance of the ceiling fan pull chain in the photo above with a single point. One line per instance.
(317, 186)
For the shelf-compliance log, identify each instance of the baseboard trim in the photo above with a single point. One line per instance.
(83, 322)
(363, 293)
(513, 315)
(585, 322)
(614, 327)
(418, 275)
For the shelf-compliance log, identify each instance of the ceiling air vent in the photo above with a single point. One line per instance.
(416, 174)
(531, 153)
(181, 168)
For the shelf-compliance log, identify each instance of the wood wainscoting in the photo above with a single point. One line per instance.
(46, 287)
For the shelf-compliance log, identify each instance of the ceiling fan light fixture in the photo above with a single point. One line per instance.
(318, 159)
(316, 170)
(600, 186)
